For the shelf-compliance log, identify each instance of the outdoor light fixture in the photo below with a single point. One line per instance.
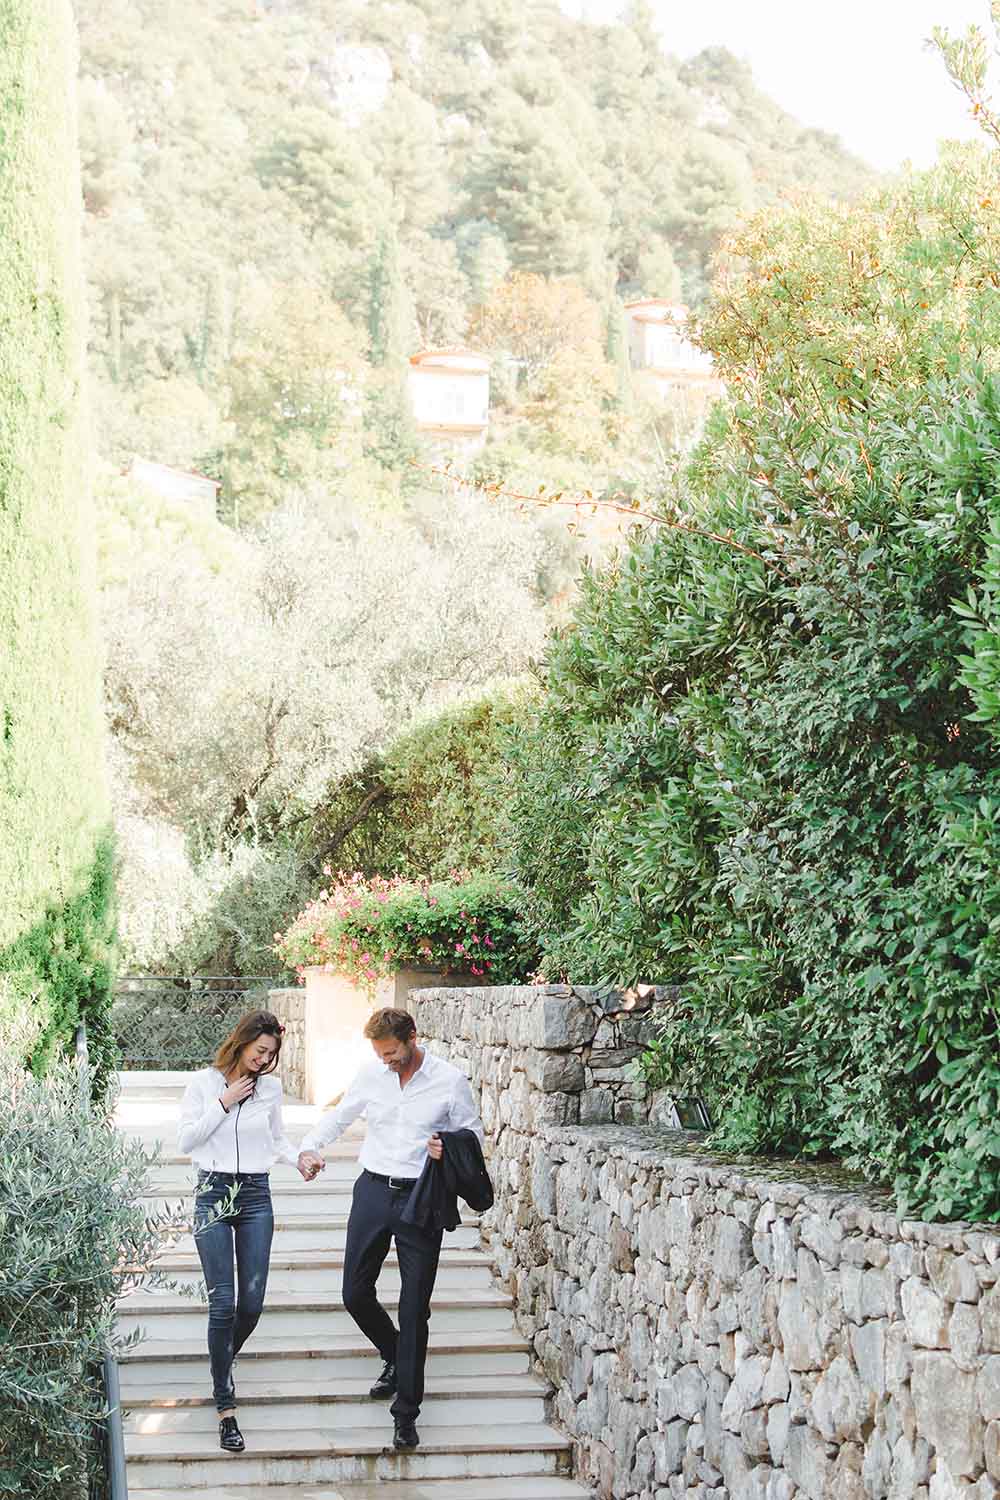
(689, 1112)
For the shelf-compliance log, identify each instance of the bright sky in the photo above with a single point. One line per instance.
(856, 67)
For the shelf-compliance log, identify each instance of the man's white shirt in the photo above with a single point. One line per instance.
(400, 1121)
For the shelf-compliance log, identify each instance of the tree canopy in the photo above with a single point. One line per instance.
(240, 156)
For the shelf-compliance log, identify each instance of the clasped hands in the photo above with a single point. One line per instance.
(310, 1163)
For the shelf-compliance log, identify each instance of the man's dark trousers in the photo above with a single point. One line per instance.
(374, 1222)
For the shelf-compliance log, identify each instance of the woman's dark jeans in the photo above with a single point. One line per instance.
(235, 1301)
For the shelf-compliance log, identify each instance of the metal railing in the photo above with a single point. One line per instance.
(176, 1021)
(116, 1482)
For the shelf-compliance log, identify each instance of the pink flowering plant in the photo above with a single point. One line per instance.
(370, 927)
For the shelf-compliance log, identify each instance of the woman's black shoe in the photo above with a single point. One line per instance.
(405, 1435)
(230, 1436)
(385, 1385)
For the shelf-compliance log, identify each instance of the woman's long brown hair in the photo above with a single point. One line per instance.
(248, 1029)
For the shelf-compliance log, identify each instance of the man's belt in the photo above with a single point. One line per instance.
(392, 1182)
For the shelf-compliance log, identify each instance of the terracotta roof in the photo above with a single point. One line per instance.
(677, 309)
(155, 463)
(476, 362)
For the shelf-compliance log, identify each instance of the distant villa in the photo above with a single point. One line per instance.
(176, 484)
(450, 394)
(659, 347)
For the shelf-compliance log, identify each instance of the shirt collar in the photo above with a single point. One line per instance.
(425, 1070)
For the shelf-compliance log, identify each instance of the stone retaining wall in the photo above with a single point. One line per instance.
(718, 1329)
(289, 1005)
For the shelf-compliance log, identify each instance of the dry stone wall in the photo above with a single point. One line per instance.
(289, 1005)
(717, 1329)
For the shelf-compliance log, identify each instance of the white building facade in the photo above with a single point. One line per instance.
(449, 393)
(659, 345)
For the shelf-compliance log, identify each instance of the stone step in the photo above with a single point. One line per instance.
(156, 1364)
(295, 1232)
(316, 1201)
(296, 1315)
(341, 1150)
(177, 1261)
(485, 1403)
(510, 1487)
(309, 1456)
(326, 1273)
(178, 1177)
(287, 1198)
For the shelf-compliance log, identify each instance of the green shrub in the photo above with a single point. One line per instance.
(214, 916)
(73, 1237)
(55, 886)
(765, 763)
(371, 928)
(433, 802)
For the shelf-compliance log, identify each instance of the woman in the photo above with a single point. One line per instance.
(232, 1128)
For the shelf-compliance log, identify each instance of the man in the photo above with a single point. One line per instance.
(408, 1095)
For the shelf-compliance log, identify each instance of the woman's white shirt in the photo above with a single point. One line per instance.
(250, 1138)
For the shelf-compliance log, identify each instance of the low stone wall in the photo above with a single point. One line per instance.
(553, 1055)
(289, 1005)
(714, 1328)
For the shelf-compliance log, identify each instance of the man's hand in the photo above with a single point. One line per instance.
(435, 1147)
(310, 1164)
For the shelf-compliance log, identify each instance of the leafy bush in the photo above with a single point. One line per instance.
(216, 915)
(766, 759)
(56, 918)
(73, 1238)
(433, 802)
(371, 928)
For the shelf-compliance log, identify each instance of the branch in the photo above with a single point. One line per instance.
(346, 826)
(248, 794)
(586, 501)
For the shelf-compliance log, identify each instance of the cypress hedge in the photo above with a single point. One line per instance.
(56, 920)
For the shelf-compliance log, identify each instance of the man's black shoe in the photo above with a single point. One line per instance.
(405, 1435)
(385, 1385)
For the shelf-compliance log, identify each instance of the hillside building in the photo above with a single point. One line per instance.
(660, 351)
(196, 490)
(449, 393)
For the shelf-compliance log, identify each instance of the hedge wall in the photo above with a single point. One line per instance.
(766, 761)
(55, 876)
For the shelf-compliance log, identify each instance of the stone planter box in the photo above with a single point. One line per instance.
(331, 1014)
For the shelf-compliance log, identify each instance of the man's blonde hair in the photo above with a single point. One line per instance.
(386, 1023)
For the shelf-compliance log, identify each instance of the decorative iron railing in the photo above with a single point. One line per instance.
(176, 1021)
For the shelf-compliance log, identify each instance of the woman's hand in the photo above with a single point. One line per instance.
(238, 1091)
(310, 1163)
(435, 1147)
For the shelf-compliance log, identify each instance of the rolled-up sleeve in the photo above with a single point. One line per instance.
(201, 1115)
(284, 1150)
(333, 1124)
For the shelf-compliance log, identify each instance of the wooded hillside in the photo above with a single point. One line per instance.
(246, 160)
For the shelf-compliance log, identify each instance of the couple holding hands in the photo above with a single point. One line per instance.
(423, 1143)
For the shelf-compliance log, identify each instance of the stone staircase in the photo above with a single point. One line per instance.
(312, 1431)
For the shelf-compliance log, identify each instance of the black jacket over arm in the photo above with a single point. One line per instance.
(461, 1173)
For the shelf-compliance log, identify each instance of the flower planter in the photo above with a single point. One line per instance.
(336, 1010)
